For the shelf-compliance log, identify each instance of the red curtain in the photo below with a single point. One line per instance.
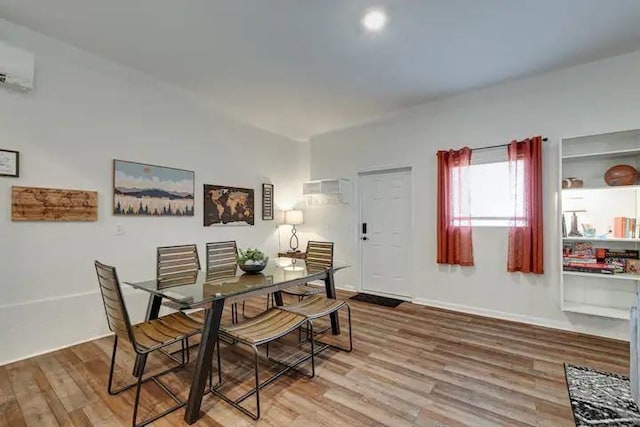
(525, 228)
(454, 216)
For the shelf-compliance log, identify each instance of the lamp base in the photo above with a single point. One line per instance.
(293, 241)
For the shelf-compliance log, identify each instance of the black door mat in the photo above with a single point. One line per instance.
(378, 300)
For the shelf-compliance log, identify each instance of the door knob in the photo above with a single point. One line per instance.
(365, 238)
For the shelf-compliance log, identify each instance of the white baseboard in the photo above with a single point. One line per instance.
(125, 292)
(32, 328)
(347, 288)
(51, 350)
(520, 318)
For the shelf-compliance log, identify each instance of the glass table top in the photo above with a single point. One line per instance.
(228, 282)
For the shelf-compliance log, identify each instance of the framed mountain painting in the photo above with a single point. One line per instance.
(149, 190)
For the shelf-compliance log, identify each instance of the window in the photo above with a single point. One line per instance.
(491, 196)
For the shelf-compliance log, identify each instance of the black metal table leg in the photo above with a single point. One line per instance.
(330, 286)
(278, 297)
(203, 363)
(153, 307)
(153, 310)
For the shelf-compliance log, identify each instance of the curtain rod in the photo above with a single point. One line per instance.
(498, 146)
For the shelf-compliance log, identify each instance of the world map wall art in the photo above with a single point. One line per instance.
(150, 190)
(228, 206)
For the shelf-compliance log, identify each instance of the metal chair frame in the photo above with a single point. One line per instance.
(311, 335)
(260, 385)
(123, 327)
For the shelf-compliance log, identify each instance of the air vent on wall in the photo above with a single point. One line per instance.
(16, 68)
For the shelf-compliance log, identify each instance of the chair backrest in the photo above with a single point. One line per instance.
(116, 311)
(177, 265)
(319, 254)
(219, 273)
(221, 255)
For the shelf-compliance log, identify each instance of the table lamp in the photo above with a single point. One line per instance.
(293, 217)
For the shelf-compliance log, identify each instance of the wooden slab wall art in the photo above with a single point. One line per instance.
(50, 204)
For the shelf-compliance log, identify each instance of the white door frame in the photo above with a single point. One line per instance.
(410, 258)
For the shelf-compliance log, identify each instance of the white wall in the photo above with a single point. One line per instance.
(590, 99)
(83, 113)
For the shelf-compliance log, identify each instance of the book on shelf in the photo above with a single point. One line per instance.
(580, 249)
(583, 257)
(593, 267)
(587, 268)
(625, 228)
(578, 259)
(620, 257)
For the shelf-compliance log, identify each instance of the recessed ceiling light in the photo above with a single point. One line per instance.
(374, 20)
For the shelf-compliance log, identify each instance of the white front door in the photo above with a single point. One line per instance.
(385, 231)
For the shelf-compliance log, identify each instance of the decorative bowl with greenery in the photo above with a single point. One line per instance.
(252, 260)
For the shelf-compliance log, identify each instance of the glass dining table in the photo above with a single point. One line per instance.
(210, 289)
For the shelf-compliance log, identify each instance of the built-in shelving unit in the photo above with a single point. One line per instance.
(609, 154)
(327, 191)
(596, 310)
(618, 276)
(600, 187)
(588, 158)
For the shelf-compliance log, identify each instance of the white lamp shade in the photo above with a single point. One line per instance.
(293, 217)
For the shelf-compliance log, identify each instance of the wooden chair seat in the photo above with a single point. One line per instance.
(265, 327)
(159, 332)
(305, 290)
(314, 307)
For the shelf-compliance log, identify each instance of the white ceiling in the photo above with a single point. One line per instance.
(303, 67)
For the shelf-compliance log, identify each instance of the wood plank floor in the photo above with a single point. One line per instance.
(412, 366)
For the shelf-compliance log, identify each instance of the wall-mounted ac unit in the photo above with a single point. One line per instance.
(327, 191)
(16, 68)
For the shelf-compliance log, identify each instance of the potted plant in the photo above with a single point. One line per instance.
(252, 260)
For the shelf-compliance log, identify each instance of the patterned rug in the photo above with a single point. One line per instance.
(600, 398)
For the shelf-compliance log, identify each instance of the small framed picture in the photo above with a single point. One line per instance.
(9, 163)
(267, 202)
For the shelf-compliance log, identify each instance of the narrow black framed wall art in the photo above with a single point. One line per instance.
(267, 202)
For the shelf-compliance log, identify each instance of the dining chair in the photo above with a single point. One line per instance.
(222, 257)
(316, 307)
(260, 330)
(144, 338)
(318, 254)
